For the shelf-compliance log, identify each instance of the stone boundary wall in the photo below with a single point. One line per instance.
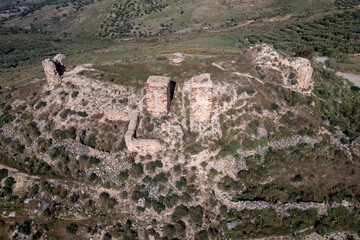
(141, 146)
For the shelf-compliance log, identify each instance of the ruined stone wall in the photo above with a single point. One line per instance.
(158, 95)
(304, 71)
(54, 69)
(141, 146)
(201, 99)
(52, 75)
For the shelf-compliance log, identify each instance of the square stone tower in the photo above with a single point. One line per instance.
(201, 99)
(158, 95)
(54, 69)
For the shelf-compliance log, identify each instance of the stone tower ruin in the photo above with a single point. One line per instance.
(158, 95)
(54, 69)
(201, 99)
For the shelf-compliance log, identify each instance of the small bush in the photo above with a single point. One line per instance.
(3, 173)
(136, 170)
(94, 160)
(123, 176)
(72, 228)
(74, 94)
(104, 196)
(179, 212)
(181, 183)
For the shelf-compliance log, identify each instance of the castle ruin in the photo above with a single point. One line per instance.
(201, 97)
(304, 71)
(54, 69)
(158, 95)
(142, 146)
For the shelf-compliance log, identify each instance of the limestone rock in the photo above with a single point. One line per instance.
(201, 98)
(268, 57)
(177, 58)
(232, 224)
(141, 146)
(265, 56)
(158, 95)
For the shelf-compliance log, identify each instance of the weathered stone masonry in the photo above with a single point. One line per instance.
(142, 146)
(54, 69)
(304, 71)
(201, 99)
(158, 95)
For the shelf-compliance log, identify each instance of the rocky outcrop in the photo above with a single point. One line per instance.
(158, 95)
(54, 69)
(304, 71)
(268, 57)
(177, 58)
(141, 146)
(201, 97)
(265, 56)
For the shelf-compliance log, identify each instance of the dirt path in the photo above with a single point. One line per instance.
(355, 79)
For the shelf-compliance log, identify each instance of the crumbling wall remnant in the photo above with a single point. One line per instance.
(158, 95)
(304, 71)
(201, 97)
(141, 146)
(54, 69)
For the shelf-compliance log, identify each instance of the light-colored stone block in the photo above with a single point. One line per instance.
(201, 97)
(158, 95)
(54, 69)
(52, 75)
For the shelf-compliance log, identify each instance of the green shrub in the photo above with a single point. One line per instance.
(196, 214)
(9, 182)
(25, 227)
(3, 173)
(123, 176)
(181, 183)
(157, 206)
(136, 170)
(40, 104)
(179, 212)
(104, 196)
(74, 198)
(74, 94)
(65, 134)
(298, 178)
(72, 228)
(94, 160)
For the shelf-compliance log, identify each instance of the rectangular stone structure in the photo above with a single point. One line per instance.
(54, 69)
(201, 97)
(52, 75)
(158, 95)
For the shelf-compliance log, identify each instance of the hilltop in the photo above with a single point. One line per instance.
(274, 156)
